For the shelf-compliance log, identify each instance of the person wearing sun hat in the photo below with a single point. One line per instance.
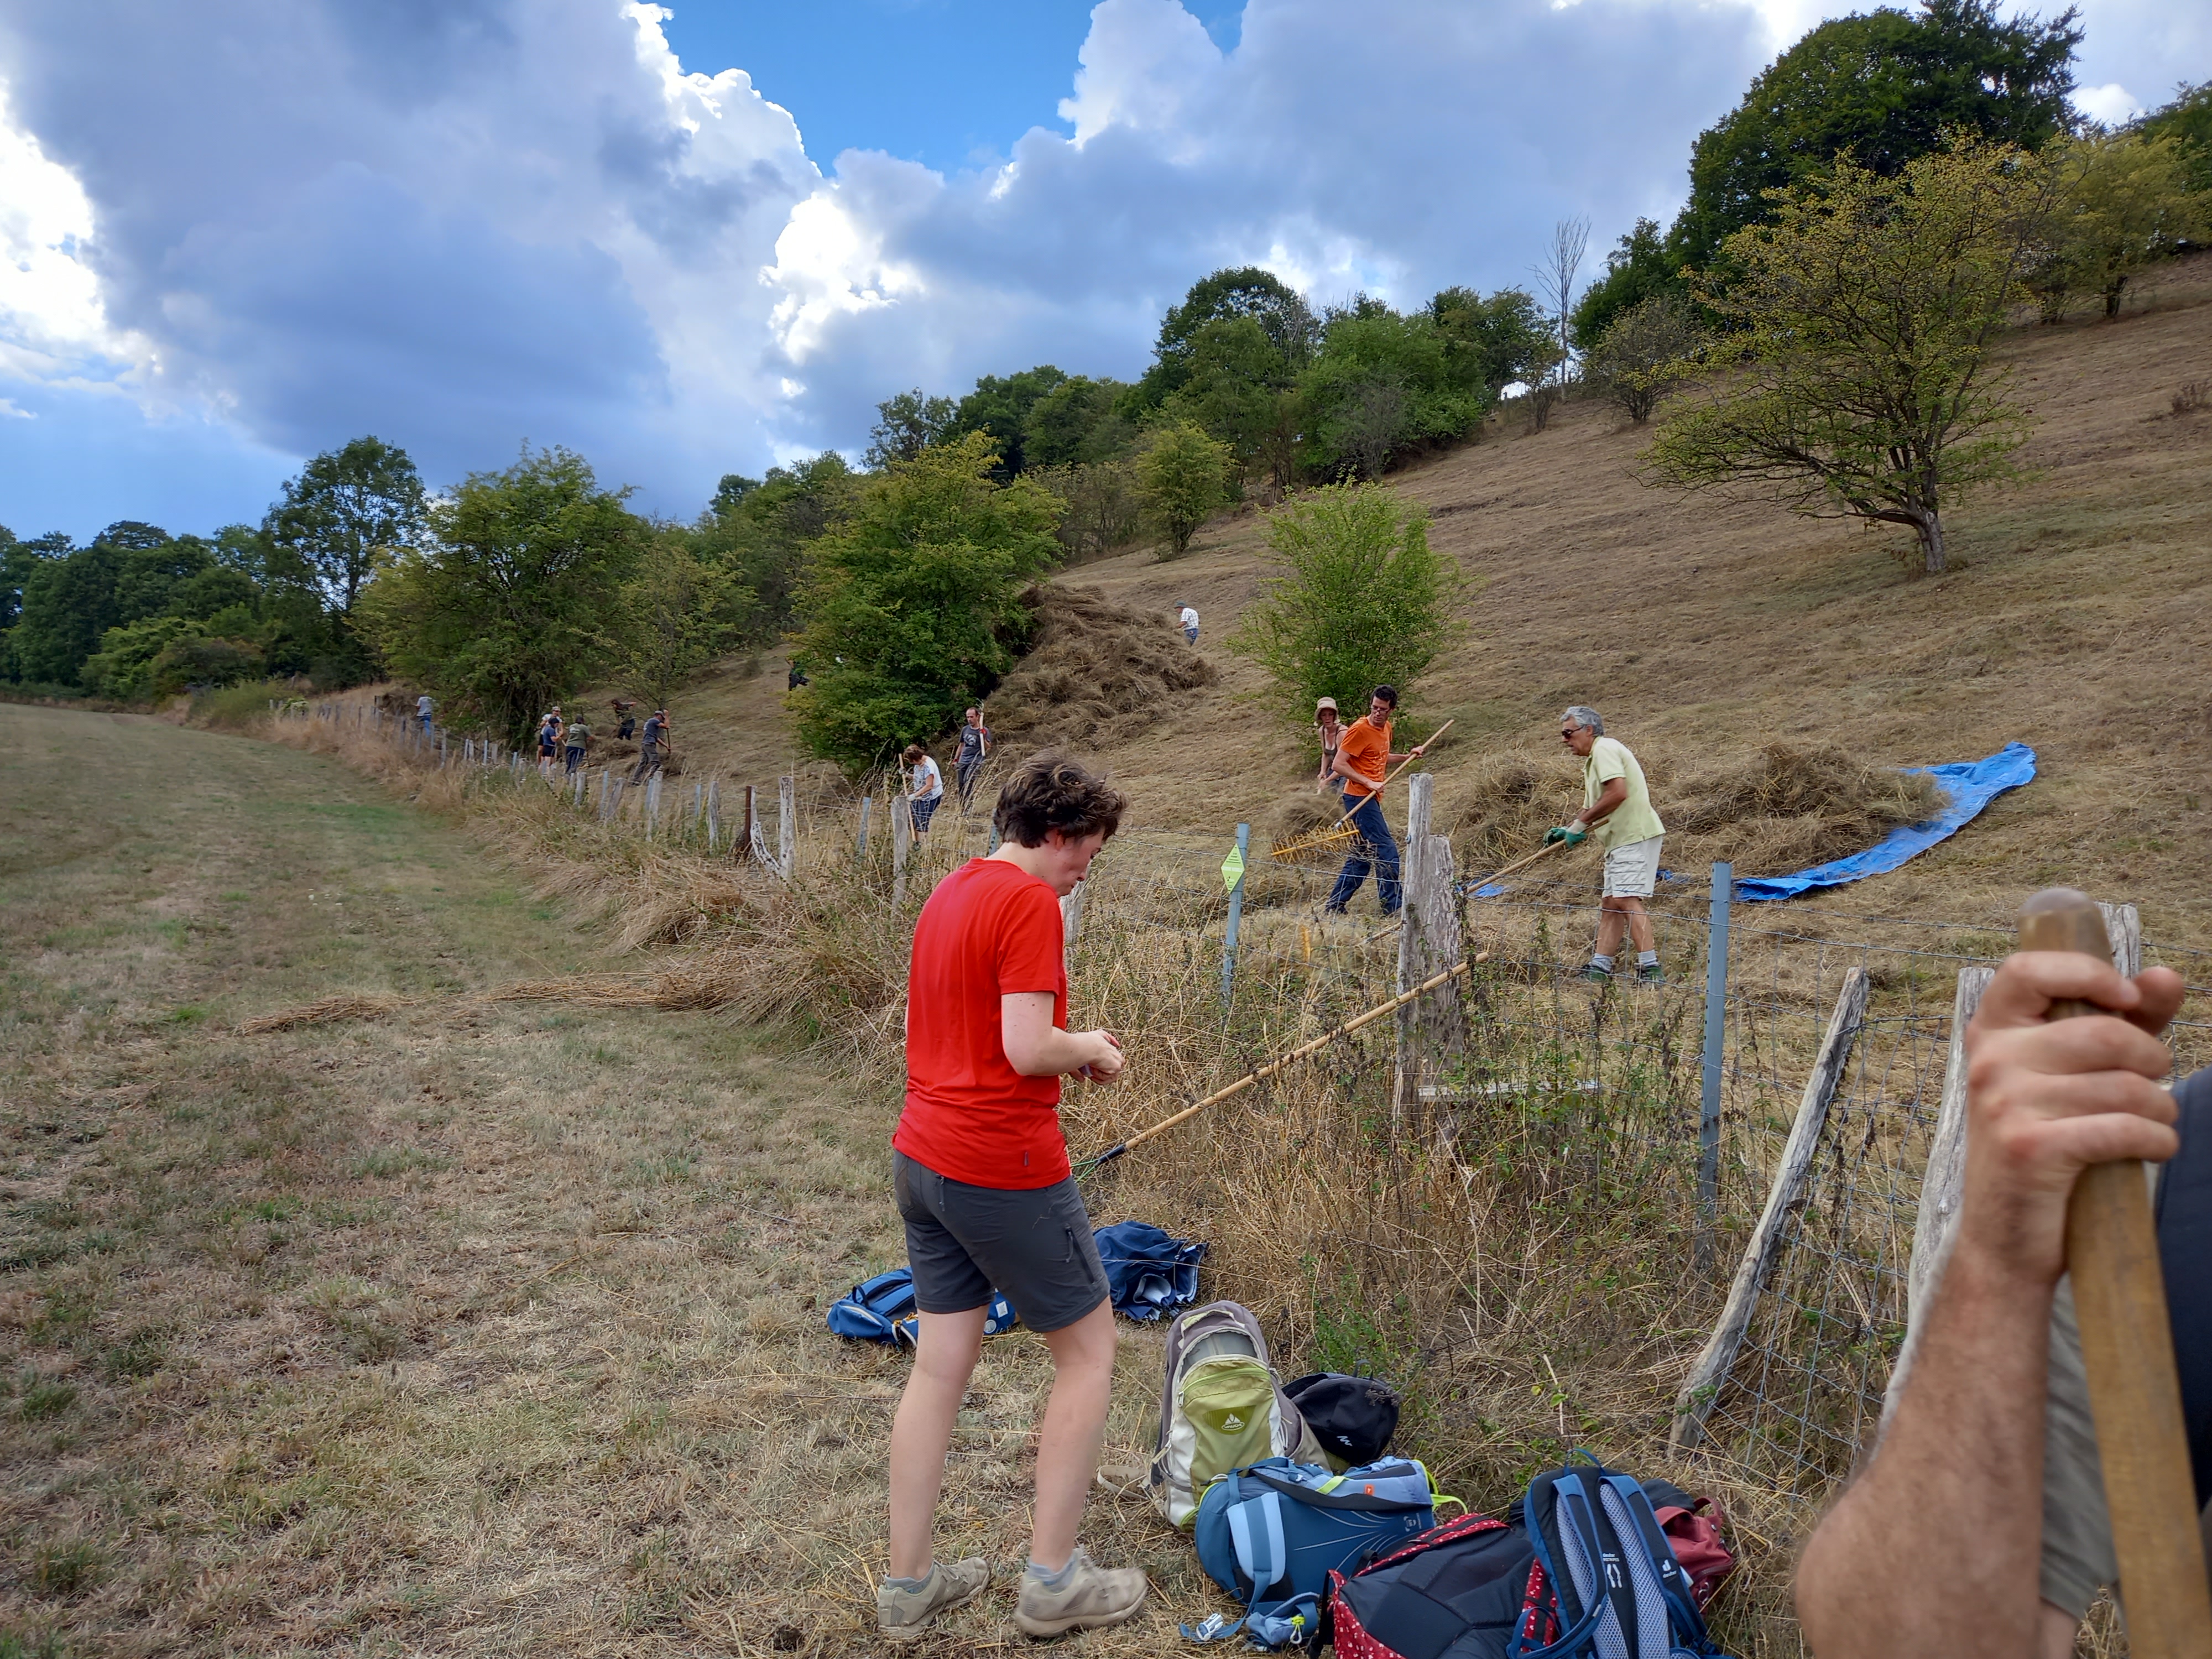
(1330, 724)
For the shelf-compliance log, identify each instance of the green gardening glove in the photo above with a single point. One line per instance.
(1567, 833)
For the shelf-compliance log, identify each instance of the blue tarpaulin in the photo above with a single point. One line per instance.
(1970, 786)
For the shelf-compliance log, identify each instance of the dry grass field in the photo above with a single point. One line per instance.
(488, 1329)
(483, 1326)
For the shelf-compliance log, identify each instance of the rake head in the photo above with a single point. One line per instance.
(1315, 845)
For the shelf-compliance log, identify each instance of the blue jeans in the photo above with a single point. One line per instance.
(1375, 851)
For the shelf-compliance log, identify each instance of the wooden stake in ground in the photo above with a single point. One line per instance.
(2127, 1349)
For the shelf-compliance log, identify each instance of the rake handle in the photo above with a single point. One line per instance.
(1393, 776)
(2127, 1350)
(1282, 1060)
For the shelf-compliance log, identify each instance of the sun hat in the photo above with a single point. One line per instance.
(1328, 703)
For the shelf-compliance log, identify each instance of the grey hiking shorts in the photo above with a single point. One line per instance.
(1033, 1247)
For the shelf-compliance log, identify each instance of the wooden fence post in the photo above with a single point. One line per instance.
(652, 805)
(902, 844)
(786, 826)
(1945, 1175)
(1784, 1201)
(861, 853)
(1070, 915)
(1428, 943)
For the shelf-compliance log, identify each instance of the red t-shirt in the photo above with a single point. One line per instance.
(990, 930)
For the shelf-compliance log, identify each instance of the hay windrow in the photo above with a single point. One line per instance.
(328, 1011)
(1094, 666)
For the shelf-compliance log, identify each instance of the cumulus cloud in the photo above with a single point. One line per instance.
(465, 223)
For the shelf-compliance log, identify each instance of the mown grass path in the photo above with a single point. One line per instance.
(476, 1330)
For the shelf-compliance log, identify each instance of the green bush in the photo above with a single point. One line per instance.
(1182, 479)
(911, 606)
(1363, 600)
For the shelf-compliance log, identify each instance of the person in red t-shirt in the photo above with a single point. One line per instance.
(989, 1202)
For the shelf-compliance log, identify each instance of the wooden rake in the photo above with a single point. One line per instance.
(1097, 1161)
(1338, 837)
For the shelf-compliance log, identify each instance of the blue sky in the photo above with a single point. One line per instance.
(947, 83)
(692, 240)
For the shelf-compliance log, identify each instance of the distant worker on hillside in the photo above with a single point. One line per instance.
(625, 719)
(796, 676)
(925, 787)
(1330, 724)
(424, 707)
(1188, 619)
(549, 739)
(1363, 758)
(574, 741)
(653, 752)
(1616, 810)
(974, 749)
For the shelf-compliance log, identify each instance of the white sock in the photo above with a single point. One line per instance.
(1647, 958)
(1604, 962)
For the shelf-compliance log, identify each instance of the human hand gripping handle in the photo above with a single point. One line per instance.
(2065, 1107)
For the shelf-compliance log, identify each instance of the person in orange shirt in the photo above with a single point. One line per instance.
(1363, 758)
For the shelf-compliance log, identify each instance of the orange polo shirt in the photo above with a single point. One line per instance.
(1367, 746)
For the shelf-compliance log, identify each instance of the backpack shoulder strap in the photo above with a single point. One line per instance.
(1576, 1524)
(1657, 1578)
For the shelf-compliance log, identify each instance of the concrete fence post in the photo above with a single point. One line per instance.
(902, 845)
(1235, 919)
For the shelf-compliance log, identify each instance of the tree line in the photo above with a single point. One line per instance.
(1888, 196)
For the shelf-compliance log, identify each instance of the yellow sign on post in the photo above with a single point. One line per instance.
(1232, 868)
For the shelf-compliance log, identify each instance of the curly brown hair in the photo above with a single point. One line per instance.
(1051, 791)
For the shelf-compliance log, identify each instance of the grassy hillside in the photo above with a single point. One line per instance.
(2079, 620)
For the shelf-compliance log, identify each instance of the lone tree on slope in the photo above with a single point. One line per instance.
(1865, 313)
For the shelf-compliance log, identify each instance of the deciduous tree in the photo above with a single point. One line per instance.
(910, 606)
(513, 602)
(1182, 478)
(349, 508)
(1362, 599)
(1864, 317)
(1650, 349)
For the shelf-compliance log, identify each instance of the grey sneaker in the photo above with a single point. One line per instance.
(903, 1615)
(1093, 1596)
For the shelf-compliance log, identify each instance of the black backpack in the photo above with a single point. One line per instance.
(1353, 1417)
(1579, 1568)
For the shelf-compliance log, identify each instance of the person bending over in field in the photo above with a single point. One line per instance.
(1979, 1527)
(1616, 810)
(984, 1185)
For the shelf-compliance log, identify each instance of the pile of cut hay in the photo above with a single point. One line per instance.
(1786, 808)
(1778, 809)
(1094, 666)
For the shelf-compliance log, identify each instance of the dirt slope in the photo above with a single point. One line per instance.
(2078, 620)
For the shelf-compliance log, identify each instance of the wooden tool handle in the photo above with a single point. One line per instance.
(2127, 1349)
(1393, 778)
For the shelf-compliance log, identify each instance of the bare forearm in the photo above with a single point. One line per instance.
(1973, 1501)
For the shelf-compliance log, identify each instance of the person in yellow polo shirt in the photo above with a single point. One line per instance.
(1616, 810)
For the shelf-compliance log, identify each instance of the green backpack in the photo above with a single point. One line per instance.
(1221, 1408)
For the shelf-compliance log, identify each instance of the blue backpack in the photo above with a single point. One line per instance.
(1272, 1534)
(1609, 1583)
(881, 1309)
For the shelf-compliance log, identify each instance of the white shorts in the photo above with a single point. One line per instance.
(1632, 871)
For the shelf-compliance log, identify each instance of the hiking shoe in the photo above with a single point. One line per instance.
(1648, 973)
(1595, 975)
(1093, 1596)
(904, 1615)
